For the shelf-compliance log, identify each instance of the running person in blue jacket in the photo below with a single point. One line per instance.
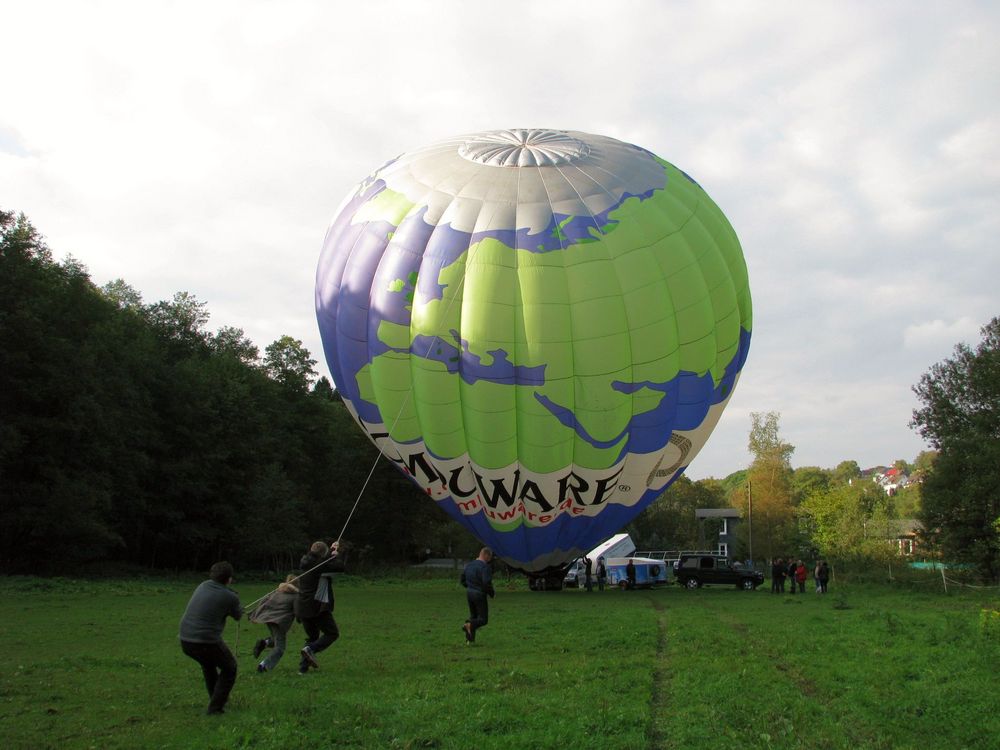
(478, 581)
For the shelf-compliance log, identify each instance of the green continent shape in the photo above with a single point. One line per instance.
(665, 291)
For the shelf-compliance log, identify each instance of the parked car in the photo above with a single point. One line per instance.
(695, 571)
(575, 575)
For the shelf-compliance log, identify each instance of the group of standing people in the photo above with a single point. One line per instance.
(602, 574)
(307, 597)
(796, 574)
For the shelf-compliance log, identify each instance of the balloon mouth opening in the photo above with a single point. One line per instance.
(523, 147)
(546, 579)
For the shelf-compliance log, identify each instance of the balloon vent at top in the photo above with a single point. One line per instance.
(539, 327)
(523, 148)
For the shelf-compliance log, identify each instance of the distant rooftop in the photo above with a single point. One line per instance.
(716, 513)
(904, 526)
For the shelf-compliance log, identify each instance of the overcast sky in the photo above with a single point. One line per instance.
(855, 147)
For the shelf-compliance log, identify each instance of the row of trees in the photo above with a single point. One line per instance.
(131, 433)
(806, 511)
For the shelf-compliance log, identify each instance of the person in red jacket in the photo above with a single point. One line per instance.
(800, 577)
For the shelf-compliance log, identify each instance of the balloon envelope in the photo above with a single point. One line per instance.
(540, 327)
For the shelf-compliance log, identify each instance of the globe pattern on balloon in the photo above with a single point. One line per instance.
(539, 327)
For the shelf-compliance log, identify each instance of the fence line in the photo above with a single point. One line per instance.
(945, 580)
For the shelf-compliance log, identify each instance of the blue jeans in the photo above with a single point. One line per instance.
(277, 642)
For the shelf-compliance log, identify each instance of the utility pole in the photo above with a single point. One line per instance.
(750, 521)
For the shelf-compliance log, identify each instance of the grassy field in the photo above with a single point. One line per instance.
(96, 664)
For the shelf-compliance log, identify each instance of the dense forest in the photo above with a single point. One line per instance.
(131, 433)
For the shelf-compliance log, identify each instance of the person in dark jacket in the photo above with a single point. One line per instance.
(630, 574)
(277, 611)
(823, 576)
(314, 605)
(777, 575)
(790, 574)
(588, 566)
(478, 581)
(602, 574)
(201, 633)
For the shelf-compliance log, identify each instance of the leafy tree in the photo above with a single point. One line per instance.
(774, 529)
(70, 421)
(846, 471)
(923, 463)
(850, 522)
(907, 502)
(669, 522)
(182, 320)
(123, 295)
(233, 341)
(807, 481)
(736, 481)
(324, 389)
(765, 441)
(289, 363)
(960, 418)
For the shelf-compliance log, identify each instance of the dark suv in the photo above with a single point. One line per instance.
(694, 571)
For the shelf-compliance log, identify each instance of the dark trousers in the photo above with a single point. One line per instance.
(321, 632)
(219, 668)
(479, 611)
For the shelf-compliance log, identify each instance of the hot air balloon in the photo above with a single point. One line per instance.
(541, 328)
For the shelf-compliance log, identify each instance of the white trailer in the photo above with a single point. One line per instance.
(620, 545)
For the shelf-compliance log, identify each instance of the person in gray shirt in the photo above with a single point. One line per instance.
(201, 633)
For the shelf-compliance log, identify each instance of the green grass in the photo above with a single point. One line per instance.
(97, 664)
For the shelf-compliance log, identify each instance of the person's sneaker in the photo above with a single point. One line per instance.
(258, 647)
(261, 667)
(304, 669)
(467, 629)
(309, 657)
(215, 711)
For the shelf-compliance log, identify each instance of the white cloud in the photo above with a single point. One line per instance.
(938, 334)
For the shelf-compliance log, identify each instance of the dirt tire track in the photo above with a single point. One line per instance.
(775, 657)
(658, 691)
